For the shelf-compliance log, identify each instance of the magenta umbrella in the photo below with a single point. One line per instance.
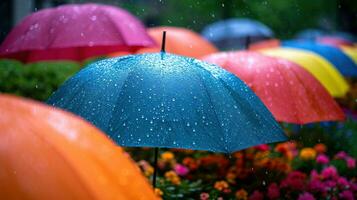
(75, 32)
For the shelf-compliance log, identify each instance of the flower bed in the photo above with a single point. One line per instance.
(281, 171)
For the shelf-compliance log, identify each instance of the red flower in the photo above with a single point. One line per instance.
(273, 191)
(256, 195)
(295, 180)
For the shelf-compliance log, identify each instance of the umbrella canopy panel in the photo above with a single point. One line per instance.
(342, 62)
(320, 68)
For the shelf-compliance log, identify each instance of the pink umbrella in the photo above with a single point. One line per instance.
(75, 32)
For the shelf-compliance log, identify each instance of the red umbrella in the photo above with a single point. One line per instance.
(292, 94)
(75, 32)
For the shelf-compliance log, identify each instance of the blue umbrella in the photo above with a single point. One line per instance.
(233, 33)
(334, 55)
(310, 34)
(165, 100)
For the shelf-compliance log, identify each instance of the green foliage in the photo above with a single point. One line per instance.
(284, 17)
(185, 190)
(337, 136)
(35, 80)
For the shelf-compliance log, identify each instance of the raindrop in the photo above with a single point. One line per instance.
(93, 18)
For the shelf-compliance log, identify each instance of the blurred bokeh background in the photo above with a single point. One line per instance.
(285, 18)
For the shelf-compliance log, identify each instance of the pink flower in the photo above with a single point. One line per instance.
(329, 173)
(181, 169)
(256, 195)
(341, 155)
(343, 183)
(347, 195)
(262, 147)
(314, 174)
(204, 196)
(330, 184)
(351, 162)
(322, 159)
(306, 196)
(273, 191)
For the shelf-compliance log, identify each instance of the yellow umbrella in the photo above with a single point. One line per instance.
(324, 71)
(350, 52)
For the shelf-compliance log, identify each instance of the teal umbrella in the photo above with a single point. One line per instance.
(166, 100)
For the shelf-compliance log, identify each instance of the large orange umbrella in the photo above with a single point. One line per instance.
(179, 41)
(47, 153)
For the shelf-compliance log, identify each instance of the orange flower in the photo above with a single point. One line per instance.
(242, 194)
(320, 148)
(231, 177)
(191, 163)
(287, 149)
(158, 192)
(173, 177)
(167, 156)
(307, 153)
(221, 185)
(261, 159)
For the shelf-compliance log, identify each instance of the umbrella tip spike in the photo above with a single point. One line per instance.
(163, 41)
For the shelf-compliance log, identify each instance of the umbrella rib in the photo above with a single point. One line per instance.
(214, 111)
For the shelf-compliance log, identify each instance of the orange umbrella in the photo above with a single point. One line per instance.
(46, 153)
(179, 41)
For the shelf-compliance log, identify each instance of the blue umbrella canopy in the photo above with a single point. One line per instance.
(335, 56)
(233, 33)
(165, 100)
(312, 34)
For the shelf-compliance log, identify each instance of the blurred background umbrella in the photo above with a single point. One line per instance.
(180, 41)
(310, 34)
(74, 32)
(232, 33)
(350, 52)
(292, 94)
(334, 41)
(46, 153)
(320, 68)
(342, 62)
(313, 34)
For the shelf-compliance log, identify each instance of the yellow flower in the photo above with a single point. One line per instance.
(173, 177)
(307, 153)
(242, 194)
(221, 185)
(167, 156)
(148, 171)
(158, 192)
